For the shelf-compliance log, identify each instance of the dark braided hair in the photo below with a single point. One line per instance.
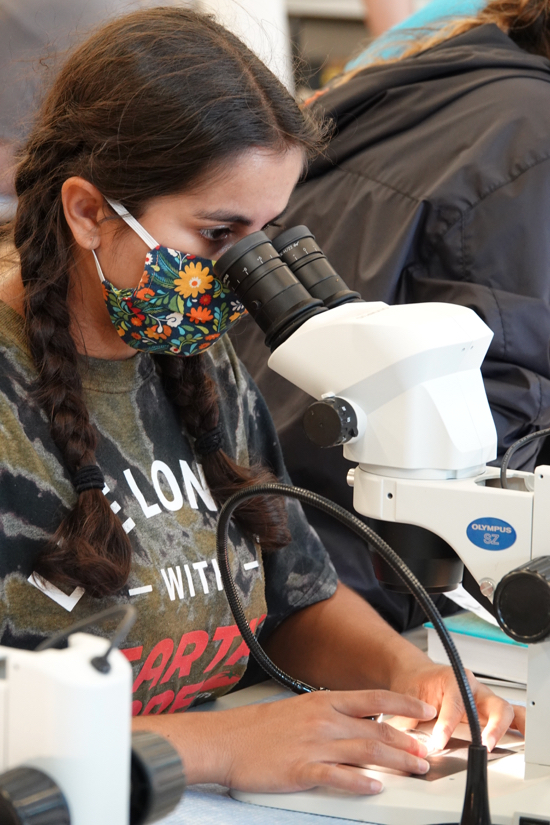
(147, 106)
(189, 386)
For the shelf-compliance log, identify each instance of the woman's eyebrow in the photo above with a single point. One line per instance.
(224, 217)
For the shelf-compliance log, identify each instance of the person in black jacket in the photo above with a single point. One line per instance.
(436, 187)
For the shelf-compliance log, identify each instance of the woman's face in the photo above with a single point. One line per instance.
(251, 193)
(247, 197)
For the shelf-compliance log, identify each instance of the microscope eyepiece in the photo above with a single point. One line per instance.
(283, 282)
(300, 251)
(264, 284)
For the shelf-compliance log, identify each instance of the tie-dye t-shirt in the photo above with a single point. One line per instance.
(185, 645)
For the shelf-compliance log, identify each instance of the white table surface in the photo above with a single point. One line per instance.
(209, 804)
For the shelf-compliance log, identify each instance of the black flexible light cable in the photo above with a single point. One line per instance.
(476, 803)
(389, 555)
(101, 663)
(511, 450)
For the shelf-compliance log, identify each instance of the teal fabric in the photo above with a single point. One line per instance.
(468, 624)
(391, 43)
(441, 8)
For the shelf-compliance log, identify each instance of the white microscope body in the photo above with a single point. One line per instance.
(58, 714)
(67, 753)
(425, 433)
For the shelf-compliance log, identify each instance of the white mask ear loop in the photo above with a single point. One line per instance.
(131, 221)
(99, 270)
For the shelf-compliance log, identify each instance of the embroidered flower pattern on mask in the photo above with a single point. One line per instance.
(194, 280)
(179, 305)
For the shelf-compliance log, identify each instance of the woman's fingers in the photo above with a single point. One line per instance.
(519, 719)
(496, 714)
(383, 747)
(499, 714)
(340, 777)
(361, 703)
(450, 715)
(377, 753)
(383, 732)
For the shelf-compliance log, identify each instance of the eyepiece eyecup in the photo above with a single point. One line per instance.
(232, 256)
(291, 236)
(282, 283)
(299, 249)
(268, 289)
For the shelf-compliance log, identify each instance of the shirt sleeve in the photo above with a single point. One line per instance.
(301, 573)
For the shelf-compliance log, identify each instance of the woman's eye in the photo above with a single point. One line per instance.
(216, 234)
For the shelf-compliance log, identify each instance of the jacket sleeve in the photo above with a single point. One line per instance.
(495, 259)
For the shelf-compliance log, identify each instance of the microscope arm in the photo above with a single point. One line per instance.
(422, 429)
(405, 384)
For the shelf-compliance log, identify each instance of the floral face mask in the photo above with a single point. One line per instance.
(179, 306)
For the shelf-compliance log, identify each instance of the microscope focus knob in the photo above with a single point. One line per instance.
(157, 778)
(330, 422)
(522, 601)
(30, 797)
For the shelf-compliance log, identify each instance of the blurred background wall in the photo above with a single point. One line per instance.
(305, 42)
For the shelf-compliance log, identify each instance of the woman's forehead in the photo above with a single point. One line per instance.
(256, 181)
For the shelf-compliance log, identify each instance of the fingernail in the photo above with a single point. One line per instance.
(422, 749)
(376, 786)
(430, 711)
(490, 743)
(438, 742)
(423, 766)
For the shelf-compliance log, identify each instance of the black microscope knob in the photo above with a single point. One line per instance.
(522, 601)
(158, 780)
(30, 797)
(330, 422)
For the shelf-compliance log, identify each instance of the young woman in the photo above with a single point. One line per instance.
(436, 187)
(126, 418)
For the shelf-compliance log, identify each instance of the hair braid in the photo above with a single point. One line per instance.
(90, 547)
(193, 391)
(134, 112)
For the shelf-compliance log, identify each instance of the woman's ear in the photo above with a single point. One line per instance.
(84, 207)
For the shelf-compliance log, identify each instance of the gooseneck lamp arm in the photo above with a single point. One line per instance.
(476, 804)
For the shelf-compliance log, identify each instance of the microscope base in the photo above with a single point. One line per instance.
(417, 802)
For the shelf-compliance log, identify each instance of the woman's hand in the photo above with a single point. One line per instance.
(308, 741)
(344, 644)
(437, 685)
(297, 743)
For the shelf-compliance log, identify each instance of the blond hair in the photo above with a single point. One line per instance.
(526, 22)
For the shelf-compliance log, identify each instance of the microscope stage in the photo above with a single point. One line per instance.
(414, 801)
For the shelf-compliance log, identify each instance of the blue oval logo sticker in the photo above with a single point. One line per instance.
(491, 533)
